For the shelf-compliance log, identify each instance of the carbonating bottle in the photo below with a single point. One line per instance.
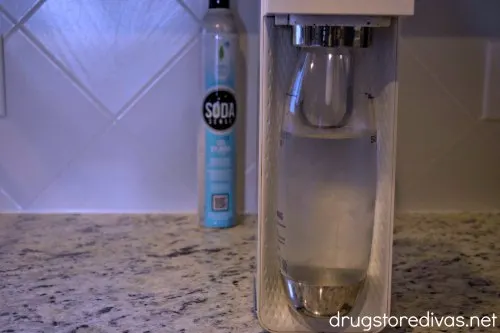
(327, 177)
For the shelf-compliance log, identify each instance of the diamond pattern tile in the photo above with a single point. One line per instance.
(452, 19)
(17, 8)
(199, 8)
(118, 174)
(167, 121)
(451, 60)
(5, 24)
(6, 204)
(466, 177)
(160, 120)
(441, 87)
(114, 47)
(248, 16)
(48, 123)
(429, 123)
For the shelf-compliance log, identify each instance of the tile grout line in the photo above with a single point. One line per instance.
(432, 161)
(17, 206)
(10, 18)
(58, 64)
(443, 151)
(94, 100)
(17, 24)
(158, 161)
(189, 11)
(164, 69)
(155, 78)
(71, 162)
(82, 87)
(437, 80)
(250, 168)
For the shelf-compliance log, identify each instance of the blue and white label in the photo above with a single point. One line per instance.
(220, 115)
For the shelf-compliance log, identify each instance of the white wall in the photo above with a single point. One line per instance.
(447, 158)
(103, 106)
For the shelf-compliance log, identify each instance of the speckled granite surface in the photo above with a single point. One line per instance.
(142, 274)
(447, 264)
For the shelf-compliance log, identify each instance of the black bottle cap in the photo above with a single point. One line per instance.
(219, 4)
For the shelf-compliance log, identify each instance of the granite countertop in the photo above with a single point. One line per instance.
(138, 274)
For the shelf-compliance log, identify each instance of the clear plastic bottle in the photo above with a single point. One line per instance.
(217, 138)
(327, 169)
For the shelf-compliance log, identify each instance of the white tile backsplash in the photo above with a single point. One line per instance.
(447, 158)
(197, 7)
(49, 122)
(430, 121)
(456, 67)
(113, 47)
(103, 104)
(17, 8)
(119, 174)
(166, 121)
(465, 177)
(5, 24)
(7, 204)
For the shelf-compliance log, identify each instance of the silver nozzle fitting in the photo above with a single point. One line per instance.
(331, 36)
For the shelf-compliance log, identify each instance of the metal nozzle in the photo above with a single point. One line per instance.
(331, 36)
